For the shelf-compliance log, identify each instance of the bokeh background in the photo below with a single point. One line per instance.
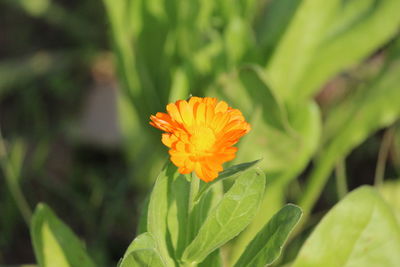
(318, 80)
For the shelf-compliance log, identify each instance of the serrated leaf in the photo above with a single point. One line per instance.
(54, 243)
(229, 217)
(360, 230)
(266, 247)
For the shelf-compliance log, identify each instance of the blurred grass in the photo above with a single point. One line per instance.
(291, 76)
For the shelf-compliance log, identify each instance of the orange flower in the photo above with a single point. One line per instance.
(201, 133)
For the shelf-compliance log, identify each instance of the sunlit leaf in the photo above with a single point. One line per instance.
(230, 172)
(361, 230)
(229, 217)
(326, 37)
(54, 243)
(266, 247)
(142, 252)
(178, 216)
(374, 106)
(212, 260)
(143, 241)
(272, 24)
(237, 38)
(203, 206)
(159, 221)
(279, 133)
(141, 258)
(390, 191)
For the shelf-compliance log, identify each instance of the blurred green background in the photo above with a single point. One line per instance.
(318, 80)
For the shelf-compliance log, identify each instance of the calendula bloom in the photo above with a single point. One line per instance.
(201, 134)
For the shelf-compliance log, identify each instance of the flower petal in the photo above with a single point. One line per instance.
(201, 133)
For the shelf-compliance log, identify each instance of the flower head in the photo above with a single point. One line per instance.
(201, 133)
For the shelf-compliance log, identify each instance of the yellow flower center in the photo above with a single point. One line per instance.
(202, 138)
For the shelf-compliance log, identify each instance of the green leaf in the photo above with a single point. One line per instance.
(141, 258)
(12, 165)
(326, 37)
(272, 24)
(169, 221)
(236, 170)
(279, 133)
(229, 218)
(16, 157)
(212, 260)
(142, 252)
(143, 241)
(202, 208)
(158, 217)
(390, 192)
(54, 243)
(144, 210)
(361, 230)
(180, 87)
(237, 37)
(373, 106)
(266, 247)
(396, 148)
(253, 80)
(230, 172)
(178, 216)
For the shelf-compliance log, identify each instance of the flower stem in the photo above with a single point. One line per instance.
(387, 140)
(194, 189)
(341, 179)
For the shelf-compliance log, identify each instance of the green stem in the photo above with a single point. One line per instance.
(387, 140)
(194, 189)
(341, 179)
(12, 183)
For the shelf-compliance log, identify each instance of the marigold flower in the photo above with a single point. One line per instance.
(201, 133)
